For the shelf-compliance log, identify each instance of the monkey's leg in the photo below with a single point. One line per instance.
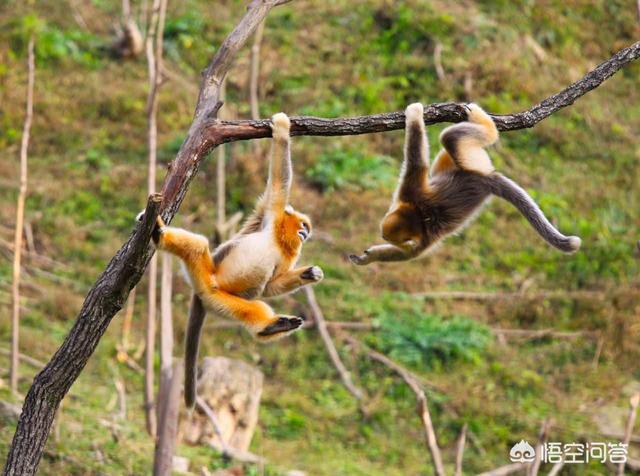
(415, 165)
(443, 163)
(182, 243)
(257, 316)
(291, 280)
(387, 253)
(465, 142)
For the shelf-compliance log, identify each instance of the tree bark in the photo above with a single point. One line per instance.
(17, 243)
(108, 294)
(153, 48)
(168, 415)
(124, 270)
(229, 131)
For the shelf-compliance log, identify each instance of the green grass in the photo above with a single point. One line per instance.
(88, 180)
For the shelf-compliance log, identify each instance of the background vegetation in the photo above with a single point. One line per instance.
(88, 180)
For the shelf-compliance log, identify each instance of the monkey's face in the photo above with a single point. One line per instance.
(297, 224)
(401, 227)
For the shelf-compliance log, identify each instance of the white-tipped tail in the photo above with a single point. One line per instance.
(414, 112)
(280, 126)
(575, 242)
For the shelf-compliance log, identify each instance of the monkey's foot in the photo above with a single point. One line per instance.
(313, 273)
(475, 113)
(282, 326)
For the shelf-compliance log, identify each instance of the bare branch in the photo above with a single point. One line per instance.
(634, 401)
(437, 62)
(168, 418)
(22, 196)
(228, 131)
(25, 358)
(460, 450)
(345, 376)
(423, 407)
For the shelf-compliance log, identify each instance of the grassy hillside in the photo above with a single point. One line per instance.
(87, 165)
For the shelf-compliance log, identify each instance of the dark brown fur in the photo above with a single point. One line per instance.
(426, 210)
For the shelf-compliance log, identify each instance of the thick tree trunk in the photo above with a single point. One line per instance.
(124, 270)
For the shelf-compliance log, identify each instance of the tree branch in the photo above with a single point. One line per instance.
(124, 270)
(228, 131)
(321, 324)
(423, 407)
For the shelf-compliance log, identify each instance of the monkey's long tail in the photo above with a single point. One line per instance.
(507, 189)
(192, 342)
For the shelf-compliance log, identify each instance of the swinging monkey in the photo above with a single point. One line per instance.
(258, 262)
(429, 205)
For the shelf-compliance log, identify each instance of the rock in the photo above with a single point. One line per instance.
(9, 413)
(232, 389)
(180, 464)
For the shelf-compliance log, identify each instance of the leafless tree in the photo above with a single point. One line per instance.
(22, 196)
(153, 47)
(124, 270)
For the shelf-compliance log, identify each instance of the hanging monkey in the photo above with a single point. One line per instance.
(431, 204)
(258, 262)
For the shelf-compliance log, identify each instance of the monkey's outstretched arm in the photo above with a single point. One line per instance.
(415, 166)
(291, 280)
(387, 252)
(280, 170)
(276, 194)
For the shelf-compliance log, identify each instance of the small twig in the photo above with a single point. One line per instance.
(540, 333)
(634, 401)
(226, 450)
(460, 450)
(255, 71)
(25, 358)
(508, 296)
(505, 470)
(22, 196)
(555, 470)
(437, 61)
(122, 398)
(596, 357)
(542, 438)
(328, 343)
(423, 407)
(214, 422)
(221, 177)
(153, 47)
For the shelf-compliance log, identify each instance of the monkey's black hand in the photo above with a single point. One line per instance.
(312, 273)
(283, 324)
(360, 260)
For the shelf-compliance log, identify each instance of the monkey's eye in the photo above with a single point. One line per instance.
(305, 226)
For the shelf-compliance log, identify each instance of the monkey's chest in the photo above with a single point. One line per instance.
(247, 267)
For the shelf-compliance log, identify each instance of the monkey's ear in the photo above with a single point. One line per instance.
(288, 210)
